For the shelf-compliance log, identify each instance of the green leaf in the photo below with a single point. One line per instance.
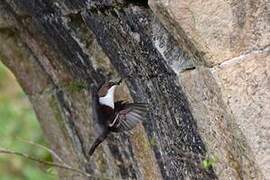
(208, 163)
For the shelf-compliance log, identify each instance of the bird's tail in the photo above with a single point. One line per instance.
(97, 141)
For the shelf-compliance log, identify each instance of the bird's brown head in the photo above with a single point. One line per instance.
(107, 86)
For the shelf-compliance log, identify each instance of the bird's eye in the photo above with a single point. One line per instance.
(110, 84)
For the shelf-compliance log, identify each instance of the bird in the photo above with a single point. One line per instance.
(119, 116)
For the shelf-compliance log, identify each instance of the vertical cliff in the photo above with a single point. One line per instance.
(172, 56)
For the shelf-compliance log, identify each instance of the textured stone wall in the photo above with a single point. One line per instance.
(229, 89)
(56, 49)
(203, 67)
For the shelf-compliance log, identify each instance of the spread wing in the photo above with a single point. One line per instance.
(128, 116)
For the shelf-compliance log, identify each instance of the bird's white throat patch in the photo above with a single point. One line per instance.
(108, 100)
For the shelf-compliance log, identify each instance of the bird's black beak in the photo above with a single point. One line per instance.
(117, 81)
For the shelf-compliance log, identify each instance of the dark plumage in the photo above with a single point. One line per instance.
(127, 116)
(123, 117)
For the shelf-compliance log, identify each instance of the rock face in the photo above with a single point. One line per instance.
(203, 67)
(229, 94)
(220, 30)
(245, 89)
